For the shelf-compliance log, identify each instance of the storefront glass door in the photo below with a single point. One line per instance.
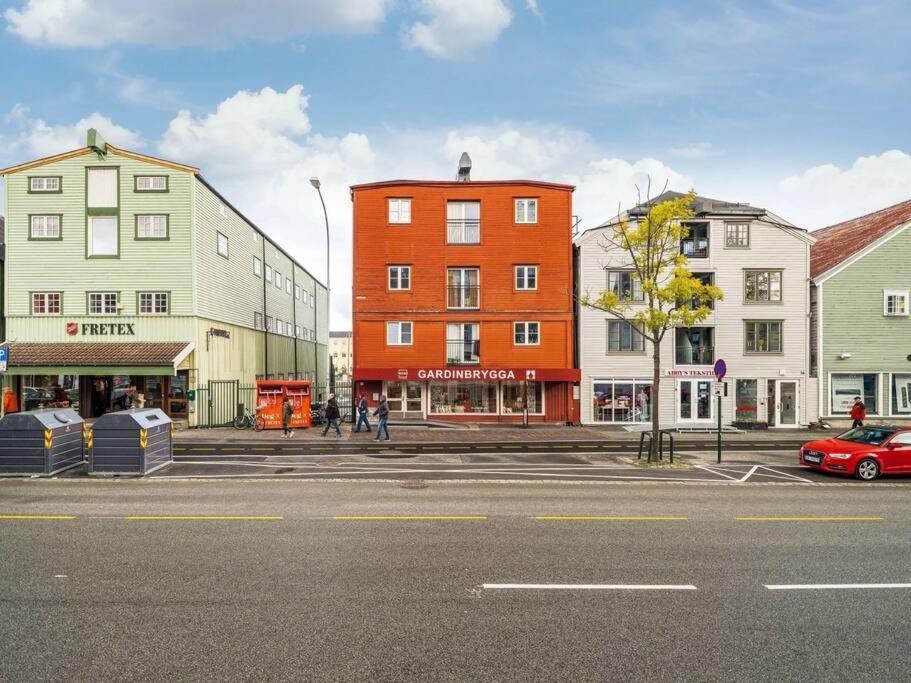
(786, 404)
(405, 397)
(694, 400)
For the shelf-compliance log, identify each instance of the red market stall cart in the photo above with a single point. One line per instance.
(270, 394)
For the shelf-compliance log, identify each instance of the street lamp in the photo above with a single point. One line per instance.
(314, 181)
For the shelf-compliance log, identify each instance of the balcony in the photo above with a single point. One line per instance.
(463, 296)
(459, 352)
(694, 355)
(694, 248)
(463, 231)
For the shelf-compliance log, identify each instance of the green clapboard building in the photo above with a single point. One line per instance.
(131, 279)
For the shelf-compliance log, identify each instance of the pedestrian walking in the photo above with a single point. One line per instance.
(332, 416)
(287, 412)
(382, 413)
(858, 413)
(362, 412)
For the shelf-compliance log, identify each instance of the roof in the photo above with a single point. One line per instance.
(67, 354)
(701, 206)
(456, 183)
(839, 242)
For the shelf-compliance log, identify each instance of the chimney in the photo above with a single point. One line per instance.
(464, 168)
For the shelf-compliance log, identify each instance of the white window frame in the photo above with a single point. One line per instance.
(279, 326)
(218, 244)
(521, 210)
(91, 237)
(278, 280)
(257, 266)
(525, 271)
(100, 196)
(104, 299)
(150, 227)
(288, 285)
(526, 331)
(257, 320)
(398, 327)
(895, 293)
(394, 212)
(289, 328)
(152, 180)
(297, 292)
(34, 187)
(298, 332)
(46, 303)
(156, 297)
(269, 273)
(42, 225)
(399, 271)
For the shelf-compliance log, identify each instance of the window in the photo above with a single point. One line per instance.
(526, 277)
(398, 333)
(297, 292)
(625, 284)
(257, 321)
(103, 236)
(279, 326)
(152, 227)
(46, 303)
(696, 244)
(624, 337)
(844, 387)
(901, 394)
(289, 328)
(50, 184)
(736, 235)
(222, 209)
(526, 333)
(298, 332)
(287, 285)
(463, 343)
(463, 289)
(746, 400)
(103, 303)
(268, 273)
(151, 183)
(526, 211)
(102, 188)
(399, 277)
(762, 286)
(278, 280)
(694, 346)
(463, 222)
(399, 210)
(763, 336)
(895, 302)
(268, 323)
(222, 245)
(462, 397)
(516, 395)
(628, 400)
(154, 303)
(45, 228)
(257, 267)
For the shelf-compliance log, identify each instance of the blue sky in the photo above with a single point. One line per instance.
(798, 105)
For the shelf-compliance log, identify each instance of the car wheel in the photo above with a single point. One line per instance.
(867, 469)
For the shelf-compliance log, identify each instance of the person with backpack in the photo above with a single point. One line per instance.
(382, 412)
(362, 411)
(858, 413)
(287, 412)
(332, 416)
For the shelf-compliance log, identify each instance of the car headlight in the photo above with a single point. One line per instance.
(840, 456)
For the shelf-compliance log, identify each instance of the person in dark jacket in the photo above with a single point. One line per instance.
(287, 412)
(858, 413)
(362, 411)
(332, 416)
(382, 412)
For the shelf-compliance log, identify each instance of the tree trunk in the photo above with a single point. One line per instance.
(656, 415)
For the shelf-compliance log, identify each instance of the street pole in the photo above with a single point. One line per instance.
(719, 429)
(317, 185)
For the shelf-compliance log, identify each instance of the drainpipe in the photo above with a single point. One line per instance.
(294, 314)
(265, 327)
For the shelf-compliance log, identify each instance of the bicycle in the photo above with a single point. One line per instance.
(250, 421)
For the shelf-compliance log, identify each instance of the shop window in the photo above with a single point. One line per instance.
(45, 227)
(152, 227)
(103, 303)
(398, 333)
(527, 333)
(762, 286)
(737, 235)
(845, 386)
(625, 284)
(624, 337)
(154, 303)
(399, 210)
(222, 245)
(515, 395)
(50, 391)
(762, 336)
(746, 403)
(46, 303)
(526, 277)
(474, 398)
(901, 394)
(257, 267)
(526, 211)
(895, 302)
(626, 401)
(399, 277)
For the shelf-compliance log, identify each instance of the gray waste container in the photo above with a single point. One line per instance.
(130, 442)
(41, 441)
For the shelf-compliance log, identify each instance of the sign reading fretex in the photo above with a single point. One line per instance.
(101, 329)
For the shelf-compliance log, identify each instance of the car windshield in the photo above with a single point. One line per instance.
(873, 436)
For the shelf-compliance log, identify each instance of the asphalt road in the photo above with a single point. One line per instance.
(356, 581)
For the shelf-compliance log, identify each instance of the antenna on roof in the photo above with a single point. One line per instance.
(464, 168)
(96, 142)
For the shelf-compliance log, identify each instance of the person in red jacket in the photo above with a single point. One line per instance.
(858, 413)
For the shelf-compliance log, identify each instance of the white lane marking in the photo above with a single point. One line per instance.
(706, 468)
(589, 586)
(784, 474)
(746, 476)
(60, 576)
(833, 586)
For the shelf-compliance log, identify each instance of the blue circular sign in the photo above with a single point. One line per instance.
(721, 369)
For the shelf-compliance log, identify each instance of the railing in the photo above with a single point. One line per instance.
(460, 352)
(694, 248)
(463, 231)
(463, 296)
(695, 355)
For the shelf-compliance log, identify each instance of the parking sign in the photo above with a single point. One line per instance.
(4, 357)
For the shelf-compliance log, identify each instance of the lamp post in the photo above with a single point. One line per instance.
(314, 181)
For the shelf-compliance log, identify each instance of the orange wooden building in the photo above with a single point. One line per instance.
(462, 300)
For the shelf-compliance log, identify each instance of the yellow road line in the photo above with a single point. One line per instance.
(809, 519)
(611, 518)
(509, 447)
(253, 518)
(384, 518)
(271, 448)
(37, 517)
(232, 449)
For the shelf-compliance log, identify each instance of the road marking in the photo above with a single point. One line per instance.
(422, 518)
(783, 474)
(706, 468)
(834, 586)
(203, 518)
(611, 518)
(809, 519)
(590, 586)
(37, 517)
(750, 473)
(195, 449)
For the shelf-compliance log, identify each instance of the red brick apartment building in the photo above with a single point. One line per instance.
(462, 302)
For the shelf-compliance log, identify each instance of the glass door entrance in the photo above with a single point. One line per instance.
(694, 400)
(786, 404)
(405, 397)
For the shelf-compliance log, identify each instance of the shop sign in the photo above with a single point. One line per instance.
(217, 332)
(101, 329)
(687, 372)
(470, 374)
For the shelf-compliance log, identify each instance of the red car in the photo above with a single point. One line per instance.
(865, 452)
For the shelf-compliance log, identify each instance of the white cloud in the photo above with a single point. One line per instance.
(169, 23)
(455, 29)
(534, 8)
(36, 138)
(696, 150)
(826, 194)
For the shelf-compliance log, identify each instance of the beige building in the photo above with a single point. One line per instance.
(342, 351)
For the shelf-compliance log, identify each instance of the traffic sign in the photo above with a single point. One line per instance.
(4, 357)
(721, 369)
(718, 389)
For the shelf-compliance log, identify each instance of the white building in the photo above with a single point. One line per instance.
(761, 328)
(342, 351)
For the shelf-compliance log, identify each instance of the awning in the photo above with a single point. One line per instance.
(81, 358)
